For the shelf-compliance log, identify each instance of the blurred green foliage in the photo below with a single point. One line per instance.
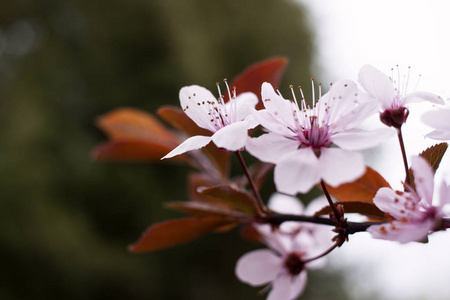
(66, 220)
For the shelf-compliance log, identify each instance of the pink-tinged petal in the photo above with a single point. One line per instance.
(279, 107)
(285, 204)
(355, 116)
(338, 166)
(195, 101)
(377, 84)
(242, 106)
(439, 135)
(398, 204)
(258, 267)
(270, 147)
(423, 96)
(231, 137)
(438, 119)
(444, 196)
(298, 285)
(357, 139)
(423, 178)
(192, 143)
(297, 172)
(341, 98)
(265, 118)
(280, 288)
(402, 232)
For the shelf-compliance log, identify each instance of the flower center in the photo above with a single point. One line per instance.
(293, 263)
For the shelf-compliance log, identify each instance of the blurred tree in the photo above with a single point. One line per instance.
(65, 220)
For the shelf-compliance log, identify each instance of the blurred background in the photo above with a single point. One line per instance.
(66, 220)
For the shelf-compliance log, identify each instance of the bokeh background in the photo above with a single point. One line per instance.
(66, 220)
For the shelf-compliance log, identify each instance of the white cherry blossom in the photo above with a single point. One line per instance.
(416, 213)
(439, 120)
(227, 121)
(300, 138)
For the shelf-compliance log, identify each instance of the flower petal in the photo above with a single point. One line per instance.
(192, 143)
(268, 121)
(258, 267)
(377, 85)
(270, 147)
(242, 106)
(231, 137)
(285, 204)
(280, 108)
(423, 178)
(423, 96)
(400, 205)
(357, 139)
(402, 232)
(297, 172)
(438, 119)
(298, 285)
(338, 166)
(438, 135)
(280, 288)
(196, 103)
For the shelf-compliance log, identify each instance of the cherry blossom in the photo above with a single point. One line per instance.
(413, 212)
(283, 266)
(438, 119)
(392, 95)
(300, 138)
(227, 121)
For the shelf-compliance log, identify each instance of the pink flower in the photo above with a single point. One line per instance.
(283, 267)
(414, 214)
(299, 139)
(439, 120)
(392, 96)
(227, 121)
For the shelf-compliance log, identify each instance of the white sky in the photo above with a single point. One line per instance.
(350, 34)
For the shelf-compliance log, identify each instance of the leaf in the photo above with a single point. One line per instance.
(361, 190)
(134, 150)
(128, 123)
(179, 120)
(251, 79)
(434, 154)
(175, 232)
(363, 208)
(201, 209)
(198, 180)
(238, 199)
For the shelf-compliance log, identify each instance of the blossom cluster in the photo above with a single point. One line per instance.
(309, 143)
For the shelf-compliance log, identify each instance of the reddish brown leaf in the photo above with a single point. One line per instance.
(363, 208)
(133, 150)
(238, 199)
(361, 190)
(175, 232)
(434, 154)
(197, 180)
(128, 123)
(201, 209)
(251, 79)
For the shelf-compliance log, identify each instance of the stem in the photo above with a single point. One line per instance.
(405, 162)
(330, 201)
(321, 255)
(352, 227)
(259, 204)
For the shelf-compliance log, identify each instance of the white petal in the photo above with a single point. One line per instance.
(423, 96)
(360, 139)
(438, 119)
(402, 232)
(338, 166)
(355, 116)
(231, 137)
(377, 85)
(298, 285)
(242, 106)
(280, 288)
(268, 121)
(397, 204)
(423, 178)
(439, 135)
(270, 147)
(192, 143)
(285, 204)
(298, 172)
(280, 108)
(341, 99)
(194, 101)
(258, 267)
